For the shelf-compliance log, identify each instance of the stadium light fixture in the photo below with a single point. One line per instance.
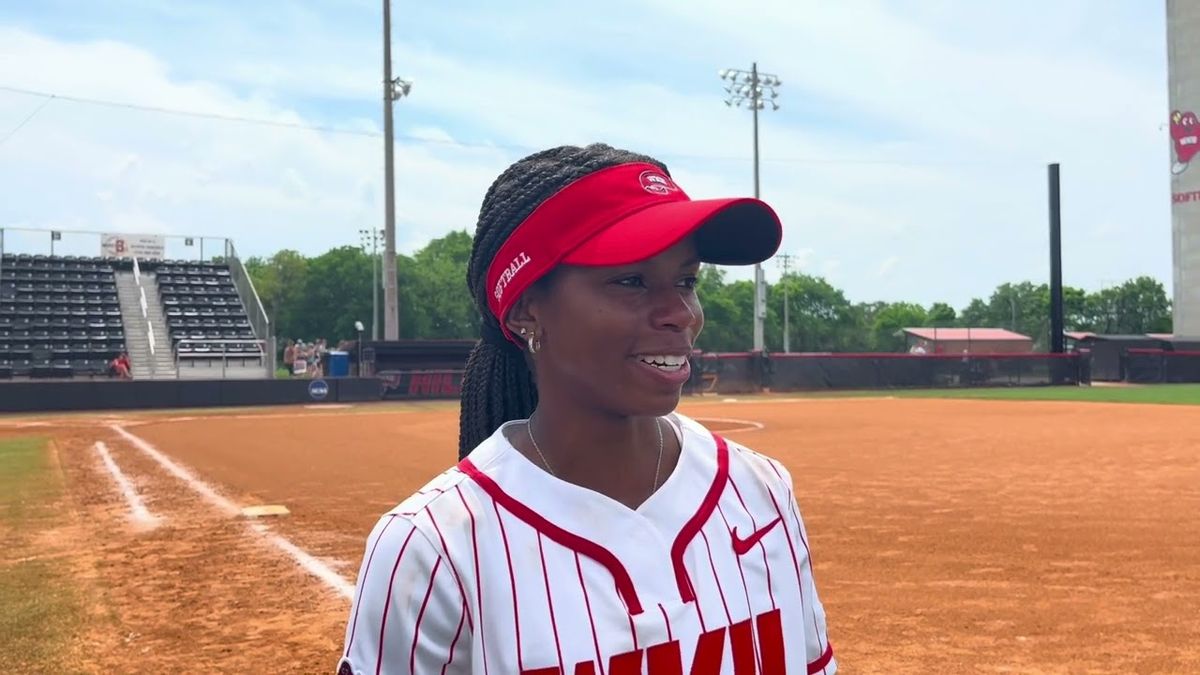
(747, 89)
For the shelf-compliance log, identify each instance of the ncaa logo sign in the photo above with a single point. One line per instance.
(318, 390)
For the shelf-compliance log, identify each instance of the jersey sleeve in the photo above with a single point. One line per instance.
(816, 638)
(408, 616)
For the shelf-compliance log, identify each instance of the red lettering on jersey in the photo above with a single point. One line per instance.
(770, 642)
(665, 659)
(628, 663)
(709, 652)
(741, 643)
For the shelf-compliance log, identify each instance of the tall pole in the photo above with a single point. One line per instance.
(1057, 339)
(759, 291)
(391, 324)
(375, 290)
(785, 260)
(749, 89)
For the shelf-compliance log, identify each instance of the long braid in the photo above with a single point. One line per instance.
(497, 384)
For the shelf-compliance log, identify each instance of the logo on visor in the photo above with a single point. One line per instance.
(521, 260)
(656, 183)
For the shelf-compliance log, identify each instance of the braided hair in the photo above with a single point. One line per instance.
(498, 385)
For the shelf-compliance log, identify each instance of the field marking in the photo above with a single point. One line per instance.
(746, 425)
(138, 511)
(301, 557)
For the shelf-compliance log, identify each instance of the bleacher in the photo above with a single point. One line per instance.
(205, 315)
(59, 316)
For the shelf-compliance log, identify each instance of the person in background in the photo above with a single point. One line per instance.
(289, 356)
(121, 367)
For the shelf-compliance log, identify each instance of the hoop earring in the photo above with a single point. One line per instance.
(534, 344)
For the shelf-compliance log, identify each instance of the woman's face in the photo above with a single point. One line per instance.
(618, 338)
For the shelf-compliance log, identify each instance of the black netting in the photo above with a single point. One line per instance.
(886, 371)
(1154, 366)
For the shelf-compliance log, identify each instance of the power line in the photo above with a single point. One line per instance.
(238, 119)
(25, 121)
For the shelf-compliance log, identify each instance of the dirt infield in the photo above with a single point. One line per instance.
(947, 536)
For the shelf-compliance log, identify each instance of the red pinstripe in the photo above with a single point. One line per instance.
(412, 653)
(557, 534)
(716, 577)
(512, 579)
(446, 553)
(550, 602)
(387, 602)
(808, 558)
(461, 620)
(478, 584)
(587, 603)
(632, 629)
(745, 588)
(366, 572)
(762, 549)
(670, 638)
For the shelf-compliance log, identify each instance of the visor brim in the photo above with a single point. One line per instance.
(740, 231)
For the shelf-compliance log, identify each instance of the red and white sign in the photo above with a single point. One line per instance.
(133, 246)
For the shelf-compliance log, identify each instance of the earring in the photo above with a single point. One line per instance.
(534, 344)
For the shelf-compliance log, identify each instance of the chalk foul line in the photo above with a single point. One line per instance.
(305, 560)
(137, 510)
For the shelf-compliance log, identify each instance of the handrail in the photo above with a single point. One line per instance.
(224, 355)
(259, 320)
(137, 277)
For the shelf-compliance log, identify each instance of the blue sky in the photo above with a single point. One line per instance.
(907, 160)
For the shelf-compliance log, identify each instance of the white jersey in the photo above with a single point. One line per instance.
(498, 568)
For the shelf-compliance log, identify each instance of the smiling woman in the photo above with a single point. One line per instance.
(588, 527)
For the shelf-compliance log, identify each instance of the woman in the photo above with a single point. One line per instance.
(587, 527)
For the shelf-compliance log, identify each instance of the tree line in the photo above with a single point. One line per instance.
(323, 296)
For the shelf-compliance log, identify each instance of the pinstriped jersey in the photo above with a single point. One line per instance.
(497, 568)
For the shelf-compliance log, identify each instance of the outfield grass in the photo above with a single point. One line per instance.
(39, 612)
(1179, 394)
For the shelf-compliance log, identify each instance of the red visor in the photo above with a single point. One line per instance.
(623, 215)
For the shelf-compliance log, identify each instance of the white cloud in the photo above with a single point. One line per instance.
(918, 134)
(888, 266)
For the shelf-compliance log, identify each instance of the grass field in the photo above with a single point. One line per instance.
(38, 611)
(1177, 394)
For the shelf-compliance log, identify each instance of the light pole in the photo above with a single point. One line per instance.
(393, 90)
(752, 89)
(372, 238)
(785, 261)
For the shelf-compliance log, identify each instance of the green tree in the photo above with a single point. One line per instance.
(941, 315)
(1135, 307)
(727, 322)
(820, 316)
(436, 303)
(886, 330)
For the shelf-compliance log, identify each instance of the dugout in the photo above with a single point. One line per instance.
(416, 355)
(966, 341)
(1177, 362)
(1107, 353)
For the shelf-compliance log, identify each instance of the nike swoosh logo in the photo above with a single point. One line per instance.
(743, 546)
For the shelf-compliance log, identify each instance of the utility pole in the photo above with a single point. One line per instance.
(372, 238)
(752, 89)
(393, 90)
(785, 261)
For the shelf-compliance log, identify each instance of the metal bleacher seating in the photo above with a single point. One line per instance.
(201, 303)
(59, 316)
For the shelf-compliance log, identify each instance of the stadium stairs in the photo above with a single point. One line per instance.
(158, 364)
